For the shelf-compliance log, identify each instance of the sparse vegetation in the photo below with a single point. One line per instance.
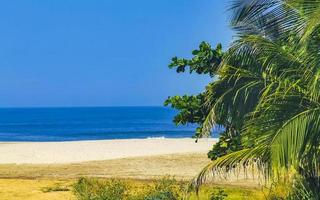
(163, 189)
(56, 188)
(95, 189)
(219, 195)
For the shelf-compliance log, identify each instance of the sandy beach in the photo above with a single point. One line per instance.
(27, 169)
(85, 151)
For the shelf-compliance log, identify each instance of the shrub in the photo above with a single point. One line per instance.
(55, 188)
(226, 144)
(166, 189)
(93, 189)
(219, 195)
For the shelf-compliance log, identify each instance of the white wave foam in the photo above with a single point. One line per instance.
(159, 138)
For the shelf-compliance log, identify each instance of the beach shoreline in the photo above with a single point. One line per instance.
(97, 150)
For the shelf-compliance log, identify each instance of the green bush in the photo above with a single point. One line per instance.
(226, 145)
(219, 195)
(93, 189)
(166, 189)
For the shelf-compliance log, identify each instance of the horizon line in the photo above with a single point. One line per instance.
(84, 106)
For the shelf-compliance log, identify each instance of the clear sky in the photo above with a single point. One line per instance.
(102, 52)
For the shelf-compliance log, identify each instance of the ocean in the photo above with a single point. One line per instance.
(89, 123)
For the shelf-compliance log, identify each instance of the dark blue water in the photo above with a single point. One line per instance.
(91, 123)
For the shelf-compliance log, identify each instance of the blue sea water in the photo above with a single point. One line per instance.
(89, 123)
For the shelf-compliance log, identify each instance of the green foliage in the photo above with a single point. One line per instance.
(219, 195)
(270, 94)
(210, 108)
(166, 189)
(205, 60)
(225, 145)
(194, 109)
(191, 109)
(163, 189)
(304, 189)
(266, 89)
(93, 189)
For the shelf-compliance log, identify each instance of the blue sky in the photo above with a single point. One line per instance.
(102, 52)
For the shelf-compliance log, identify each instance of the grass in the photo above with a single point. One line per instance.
(163, 189)
(12, 189)
(233, 192)
(58, 187)
(15, 189)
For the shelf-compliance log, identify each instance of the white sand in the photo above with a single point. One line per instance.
(83, 151)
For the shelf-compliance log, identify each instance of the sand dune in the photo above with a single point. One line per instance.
(84, 151)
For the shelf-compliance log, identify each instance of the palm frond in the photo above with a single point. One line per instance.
(230, 164)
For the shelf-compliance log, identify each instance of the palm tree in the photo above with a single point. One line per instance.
(269, 82)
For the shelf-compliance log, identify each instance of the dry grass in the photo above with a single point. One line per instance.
(17, 189)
